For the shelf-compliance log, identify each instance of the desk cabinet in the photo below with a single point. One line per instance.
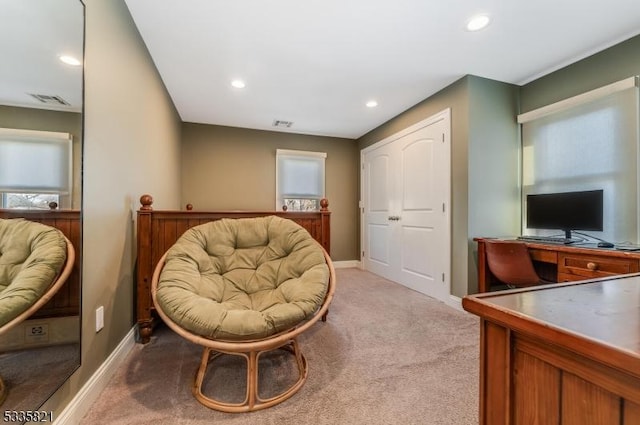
(566, 354)
(584, 266)
(566, 263)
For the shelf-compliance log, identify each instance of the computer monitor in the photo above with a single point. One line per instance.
(566, 211)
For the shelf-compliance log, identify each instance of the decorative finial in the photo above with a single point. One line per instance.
(324, 204)
(146, 201)
(53, 205)
(189, 207)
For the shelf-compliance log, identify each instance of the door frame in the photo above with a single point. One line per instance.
(442, 115)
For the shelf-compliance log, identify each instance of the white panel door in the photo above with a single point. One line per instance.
(406, 184)
(377, 167)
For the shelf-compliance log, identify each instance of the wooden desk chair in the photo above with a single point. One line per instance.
(510, 262)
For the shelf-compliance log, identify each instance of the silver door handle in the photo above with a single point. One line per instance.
(394, 217)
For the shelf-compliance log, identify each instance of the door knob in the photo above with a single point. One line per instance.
(394, 217)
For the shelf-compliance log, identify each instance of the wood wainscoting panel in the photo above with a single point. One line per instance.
(631, 413)
(586, 403)
(494, 374)
(536, 388)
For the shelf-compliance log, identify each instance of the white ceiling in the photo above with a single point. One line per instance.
(313, 62)
(33, 34)
(316, 62)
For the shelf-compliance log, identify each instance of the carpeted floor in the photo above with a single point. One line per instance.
(32, 375)
(386, 355)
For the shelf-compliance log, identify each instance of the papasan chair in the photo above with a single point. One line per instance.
(35, 261)
(244, 287)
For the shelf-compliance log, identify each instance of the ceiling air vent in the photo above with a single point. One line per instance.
(49, 99)
(282, 123)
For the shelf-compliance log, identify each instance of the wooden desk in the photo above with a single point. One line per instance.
(565, 354)
(566, 263)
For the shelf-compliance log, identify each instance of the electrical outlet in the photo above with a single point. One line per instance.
(37, 333)
(99, 318)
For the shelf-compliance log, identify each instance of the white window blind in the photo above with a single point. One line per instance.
(35, 161)
(587, 145)
(299, 175)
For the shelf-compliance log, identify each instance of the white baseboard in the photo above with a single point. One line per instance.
(81, 403)
(346, 264)
(455, 302)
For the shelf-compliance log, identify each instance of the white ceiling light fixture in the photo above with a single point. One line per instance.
(239, 84)
(70, 60)
(478, 22)
(371, 104)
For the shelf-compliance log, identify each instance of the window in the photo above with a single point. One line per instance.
(588, 142)
(31, 201)
(35, 168)
(299, 179)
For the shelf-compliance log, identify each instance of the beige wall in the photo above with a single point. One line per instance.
(228, 168)
(131, 146)
(44, 120)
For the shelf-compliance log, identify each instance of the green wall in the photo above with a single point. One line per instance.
(613, 64)
(456, 97)
(482, 125)
(493, 167)
(229, 168)
(486, 144)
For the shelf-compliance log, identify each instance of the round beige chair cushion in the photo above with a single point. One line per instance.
(243, 279)
(31, 257)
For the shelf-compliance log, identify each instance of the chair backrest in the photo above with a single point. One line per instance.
(511, 263)
(37, 268)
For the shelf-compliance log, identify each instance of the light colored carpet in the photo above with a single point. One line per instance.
(33, 374)
(386, 355)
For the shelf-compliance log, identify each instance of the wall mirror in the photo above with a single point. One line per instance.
(41, 96)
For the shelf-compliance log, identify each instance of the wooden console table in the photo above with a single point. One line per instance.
(565, 354)
(566, 263)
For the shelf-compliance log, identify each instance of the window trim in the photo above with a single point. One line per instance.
(279, 201)
(586, 97)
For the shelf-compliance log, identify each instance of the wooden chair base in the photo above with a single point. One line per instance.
(252, 400)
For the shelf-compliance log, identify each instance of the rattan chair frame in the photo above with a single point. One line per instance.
(249, 350)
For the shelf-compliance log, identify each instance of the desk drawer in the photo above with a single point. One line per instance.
(582, 266)
(543, 255)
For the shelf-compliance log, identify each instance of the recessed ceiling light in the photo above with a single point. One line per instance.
(239, 84)
(478, 22)
(70, 60)
(372, 104)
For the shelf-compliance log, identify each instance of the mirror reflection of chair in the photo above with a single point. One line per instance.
(244, 287)
(35, 261)
(510, 262)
